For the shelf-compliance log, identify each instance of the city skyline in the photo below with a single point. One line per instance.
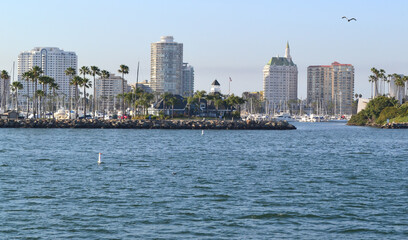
(221, 39)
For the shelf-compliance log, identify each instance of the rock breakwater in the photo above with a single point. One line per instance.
(147, 124)
(395, 125)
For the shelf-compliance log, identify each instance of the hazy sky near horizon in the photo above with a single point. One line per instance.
(222, 38)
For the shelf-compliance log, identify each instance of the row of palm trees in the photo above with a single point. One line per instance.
(137, 99)
(379, 79)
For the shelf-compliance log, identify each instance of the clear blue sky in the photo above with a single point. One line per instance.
(221, 38)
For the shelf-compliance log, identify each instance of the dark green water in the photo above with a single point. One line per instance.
(322, 181)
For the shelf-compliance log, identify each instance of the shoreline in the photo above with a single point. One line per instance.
(147, 124)
(385, 126)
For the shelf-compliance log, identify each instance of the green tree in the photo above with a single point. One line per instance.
(53, 87)
(399, 82)
(190, 102)
(104, 75)
(172, 100)
(377, 75)
(5, 76)
(15, 86)
(94, 72)
(76, 81)
(85, 83)
(44, 81)
(36, 72)
(165, 96)
(71, 72)
(27, 76)
(200, 95)
(40, 94)
(123, 69)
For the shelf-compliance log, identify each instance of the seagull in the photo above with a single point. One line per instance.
(202, 132)
(349, 19)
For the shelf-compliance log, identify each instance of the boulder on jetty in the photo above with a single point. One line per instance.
(147, 124)
(395, 125)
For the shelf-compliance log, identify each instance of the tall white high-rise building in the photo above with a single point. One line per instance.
(166, 66)
(53, 61)
(187, 80)
(280, 80)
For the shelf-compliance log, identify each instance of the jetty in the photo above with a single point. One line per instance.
(148, 124)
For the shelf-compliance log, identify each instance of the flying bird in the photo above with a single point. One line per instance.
(349, 19)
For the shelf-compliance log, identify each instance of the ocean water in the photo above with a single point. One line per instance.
(321, 181)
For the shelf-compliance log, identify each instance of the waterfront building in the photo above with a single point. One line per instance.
(187, 88)
(144, 85)
(53, 62)
(331, 87)
(280, 80)
(107, 90)
(166, 66)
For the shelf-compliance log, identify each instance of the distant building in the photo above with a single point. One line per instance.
(362, 104)
(166, 66)
(215, 87)
(331, 87)
(187, 88)
(107, 90)
(280, 80)
(144, 85)
(53, 61)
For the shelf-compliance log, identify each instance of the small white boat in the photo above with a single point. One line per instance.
(284, 117)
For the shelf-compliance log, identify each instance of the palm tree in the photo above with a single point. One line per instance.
(70, 72)
(36, 72)
(86, 84)
(190, 101)
(405, 80)
(199, 95)
(76, 81)
(4, 75)
(389, 77)
(44, 80)
(123, 69)
(383, 78)
(40, 94)
(15, 86)
(27, 76)
(53, 86)
(172, 100)
(165, 96)
(374, 79)
(217, 103)
(399, 82)
(104, 75)
(94, 71)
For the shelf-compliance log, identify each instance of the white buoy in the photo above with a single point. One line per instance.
(99, 159)
(202, 132)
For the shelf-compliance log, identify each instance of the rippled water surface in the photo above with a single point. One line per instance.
(322, 181)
